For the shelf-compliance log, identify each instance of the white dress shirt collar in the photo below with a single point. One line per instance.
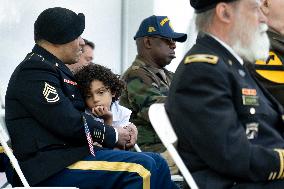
(241, 61)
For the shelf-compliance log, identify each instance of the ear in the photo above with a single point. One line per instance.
(224, 12)
(265, 7)
(147, 42)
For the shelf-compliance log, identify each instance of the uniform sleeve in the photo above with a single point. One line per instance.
(142, 91)
(204, 116)
(40, 92)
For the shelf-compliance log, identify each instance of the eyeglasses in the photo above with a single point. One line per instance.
(169, 41)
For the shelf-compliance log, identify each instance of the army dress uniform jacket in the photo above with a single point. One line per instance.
(145, 85)
(229, 129)
(44, 117)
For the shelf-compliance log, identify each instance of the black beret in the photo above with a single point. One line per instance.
(204, 5)
(59, 25)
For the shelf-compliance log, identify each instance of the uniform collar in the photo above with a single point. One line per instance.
(139, 61)
(47, 55)
(210, 42)
(51, 59)
(163, 72)
(241, 61)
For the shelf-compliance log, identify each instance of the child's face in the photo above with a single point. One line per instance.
(99, 95)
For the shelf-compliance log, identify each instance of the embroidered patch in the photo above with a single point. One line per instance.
(151, 29)
(50, 94)
(70, 82)
(252, 130)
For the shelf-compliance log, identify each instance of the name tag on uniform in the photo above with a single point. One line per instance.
(250, 97)
(70, 82)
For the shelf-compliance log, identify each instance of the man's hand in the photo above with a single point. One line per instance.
(123, 137)
(133, 134)
(127, 136)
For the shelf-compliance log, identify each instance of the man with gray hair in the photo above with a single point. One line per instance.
(229, 128)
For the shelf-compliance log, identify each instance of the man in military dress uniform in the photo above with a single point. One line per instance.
(271, 71)
(230, 129)
(52, 137)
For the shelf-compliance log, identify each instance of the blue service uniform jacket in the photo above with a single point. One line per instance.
(230, 130)
(44, 111)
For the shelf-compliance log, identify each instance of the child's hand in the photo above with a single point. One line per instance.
(104, 113)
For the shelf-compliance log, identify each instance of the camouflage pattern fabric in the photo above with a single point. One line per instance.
(145, 85)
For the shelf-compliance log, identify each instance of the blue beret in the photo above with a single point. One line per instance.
(59, 25)
(204, 5)
(159, 25)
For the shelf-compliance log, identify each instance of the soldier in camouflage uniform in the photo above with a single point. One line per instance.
(147, 80)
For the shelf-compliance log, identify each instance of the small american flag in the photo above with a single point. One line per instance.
(89, 137)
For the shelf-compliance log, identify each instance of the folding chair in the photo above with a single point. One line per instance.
(137, 148)
(162, 125)
(4, 140)
(2, 102)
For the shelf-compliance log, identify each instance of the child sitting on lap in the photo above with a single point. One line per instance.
(101, 89)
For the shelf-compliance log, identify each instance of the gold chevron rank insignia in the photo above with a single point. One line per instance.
(50, 94)
(207, 58)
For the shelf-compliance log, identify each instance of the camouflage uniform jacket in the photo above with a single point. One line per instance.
(145, 85)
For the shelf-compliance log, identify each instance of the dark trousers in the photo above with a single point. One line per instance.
(208, 179)
(115, 169)
(276, 184)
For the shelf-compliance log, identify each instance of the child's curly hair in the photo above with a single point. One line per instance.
(91, 72)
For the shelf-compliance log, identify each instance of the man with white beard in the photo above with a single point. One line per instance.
(229, 128)
(271, 71)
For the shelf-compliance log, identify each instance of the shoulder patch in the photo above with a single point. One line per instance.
(207, 58)
(50, 94)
